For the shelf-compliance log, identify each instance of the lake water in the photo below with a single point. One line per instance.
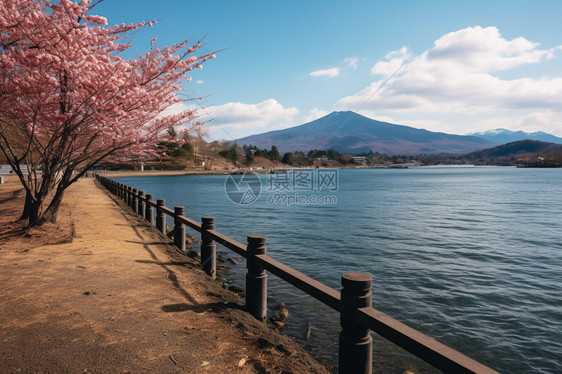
(471, 256)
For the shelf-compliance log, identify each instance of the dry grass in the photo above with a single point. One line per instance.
(15, 234)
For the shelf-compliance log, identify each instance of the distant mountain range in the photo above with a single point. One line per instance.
(516, 148)
(354, 133)
(503, 136)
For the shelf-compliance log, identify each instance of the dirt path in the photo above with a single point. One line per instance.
(119, 299)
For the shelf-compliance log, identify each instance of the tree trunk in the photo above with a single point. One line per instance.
(50, 214)
(52, 210)
(26, 207)
(34, 213)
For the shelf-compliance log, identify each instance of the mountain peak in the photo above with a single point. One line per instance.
(499, 131)
(508, 136)
(347, 131)
(337, 113)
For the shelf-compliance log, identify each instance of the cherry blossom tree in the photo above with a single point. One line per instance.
(69, 99)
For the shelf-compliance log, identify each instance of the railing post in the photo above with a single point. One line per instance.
(208, 248)
(356, 344)
(135, 201)
(256, 279)
(160, 217)
(179, 228)
(129, 196)
(142, 204)
(149, 210)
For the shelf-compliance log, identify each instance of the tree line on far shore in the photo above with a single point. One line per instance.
(194, 151)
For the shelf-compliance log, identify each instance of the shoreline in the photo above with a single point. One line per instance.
(154, 173)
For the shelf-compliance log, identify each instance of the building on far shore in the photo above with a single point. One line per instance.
(359, 160)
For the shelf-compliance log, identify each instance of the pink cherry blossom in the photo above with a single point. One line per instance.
(68, 99)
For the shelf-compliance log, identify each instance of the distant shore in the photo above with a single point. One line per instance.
(152, 173)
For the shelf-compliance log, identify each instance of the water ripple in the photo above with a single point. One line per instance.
(469, 256)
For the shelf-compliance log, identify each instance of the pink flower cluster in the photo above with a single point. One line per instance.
(68, 95)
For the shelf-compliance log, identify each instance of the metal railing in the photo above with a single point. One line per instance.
(357, 316)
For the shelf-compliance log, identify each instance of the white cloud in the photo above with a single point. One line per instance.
(351, 61)
(485, 50)
(199, 81)
(314, 114)
(393, 61)
(250, 115)
(457, 76)
(234, 120)
(332, 72)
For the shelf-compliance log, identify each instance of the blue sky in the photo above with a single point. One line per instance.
(450, 66)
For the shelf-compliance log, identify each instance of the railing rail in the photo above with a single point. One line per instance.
(319, 291)
(358, 317)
